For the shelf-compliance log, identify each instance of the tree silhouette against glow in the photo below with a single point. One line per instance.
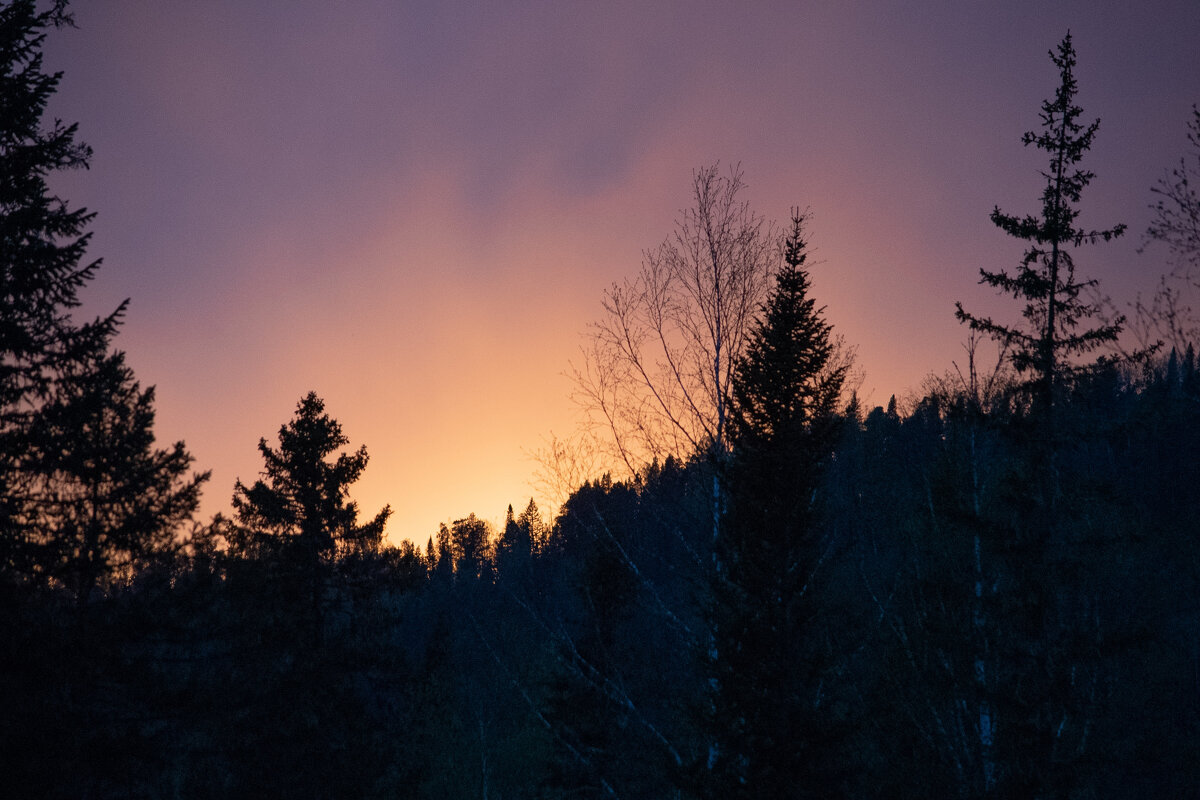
(1045, 279)
(302, 500)
(42, 267)
(657, 374)
(766, 722)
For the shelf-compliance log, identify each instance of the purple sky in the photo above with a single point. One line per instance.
(413, 208)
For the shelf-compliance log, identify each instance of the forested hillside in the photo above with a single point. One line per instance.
(988, 589)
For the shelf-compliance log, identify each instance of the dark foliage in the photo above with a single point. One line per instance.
(42, 268)
(929, 600)
(770, 724)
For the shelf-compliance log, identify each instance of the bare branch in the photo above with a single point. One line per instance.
(657, 370)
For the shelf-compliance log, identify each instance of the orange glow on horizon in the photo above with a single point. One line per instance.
(418, 221)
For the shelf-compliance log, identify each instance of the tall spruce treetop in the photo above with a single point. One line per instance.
(1045, 279)
(42, 240)
(768, 739)
(782, 384)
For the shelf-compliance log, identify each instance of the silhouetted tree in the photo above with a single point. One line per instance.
(1038, 626)
(768, 662)
(658, 372)
(304, 499)
(656, 381)
(531, 523)
(1176, 224)
(42, 268)
(300, 510)
(470, 537)
(1176, 220)
(788, 383)
(514, 549)
(1045, 280)
(519, 542)
(441, 558)
(110, 498)
(657, 375)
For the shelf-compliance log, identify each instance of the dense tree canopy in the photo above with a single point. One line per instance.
(110, 499)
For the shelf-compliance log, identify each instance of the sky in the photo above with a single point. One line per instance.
(414, 208)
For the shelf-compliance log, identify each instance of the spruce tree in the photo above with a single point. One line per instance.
(42, 240)
(785, 385)
(46, 355)
(1055, 312)
(770, 739)
(513, 550)
(1039, 555)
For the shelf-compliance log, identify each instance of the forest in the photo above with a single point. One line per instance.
(987, 590)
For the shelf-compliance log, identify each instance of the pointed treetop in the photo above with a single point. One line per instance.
(784, 379)
(1045, 280)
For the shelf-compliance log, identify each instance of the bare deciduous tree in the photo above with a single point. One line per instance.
(1177, 211)
(656, 371)
(1168, 315)
(562, 465)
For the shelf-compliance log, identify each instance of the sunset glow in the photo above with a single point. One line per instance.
(413, 209)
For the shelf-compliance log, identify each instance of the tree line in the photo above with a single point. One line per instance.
(984, 591)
